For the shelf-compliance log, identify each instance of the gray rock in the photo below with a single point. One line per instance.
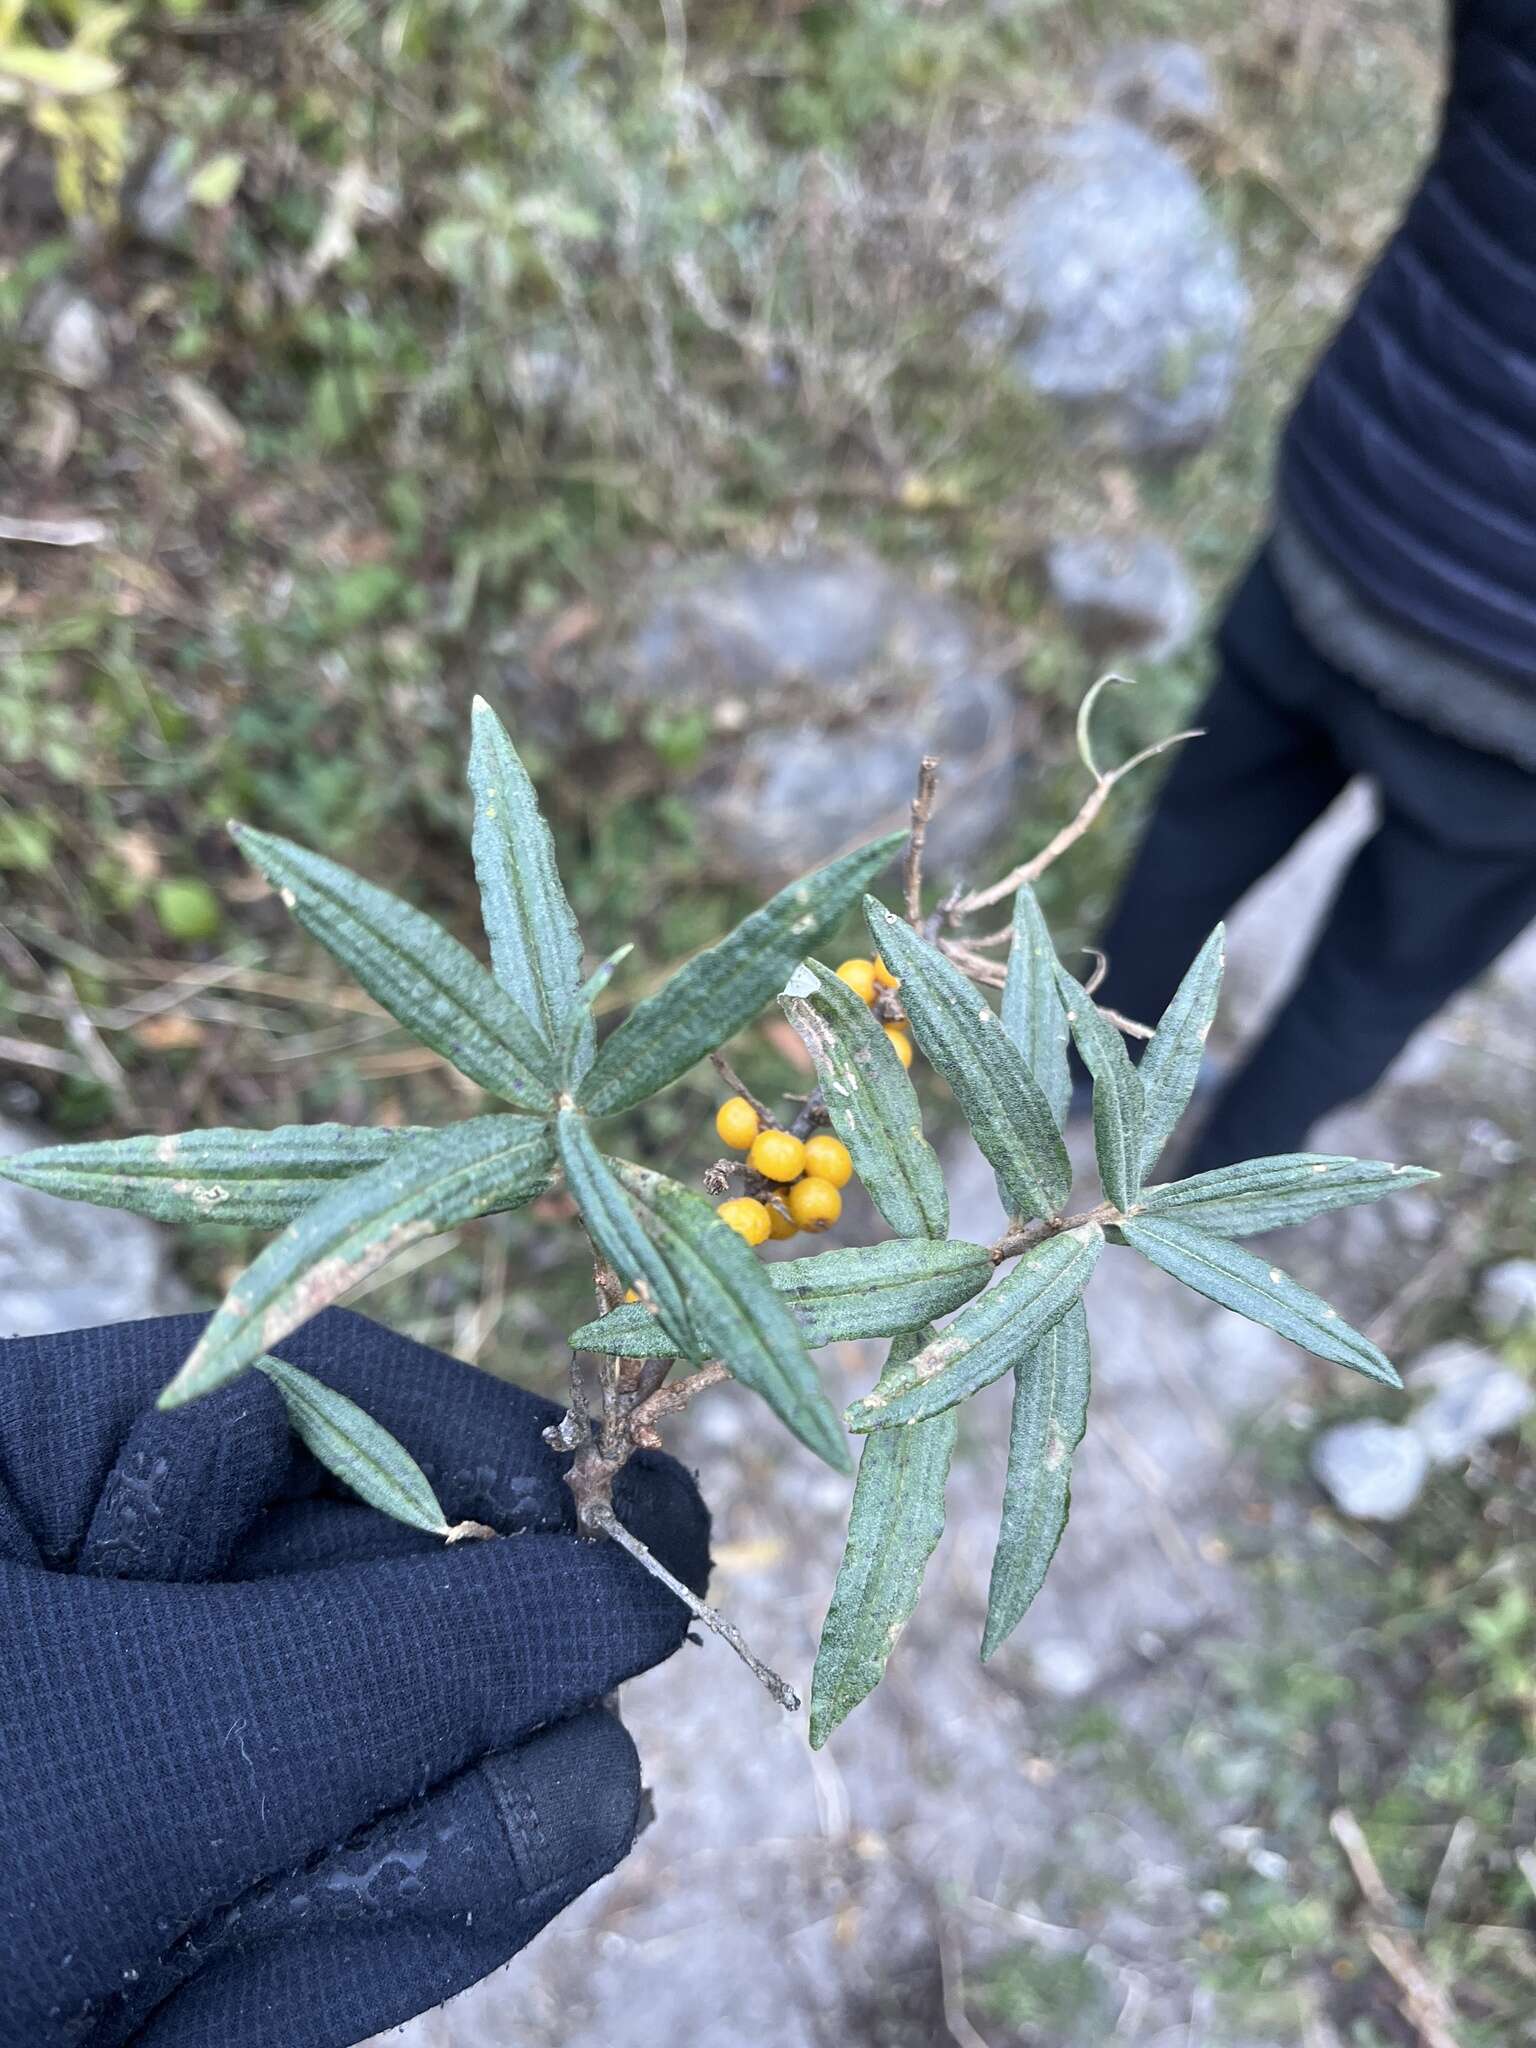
(158, 210)
(1371, 1470)
(1506, 1297)
(1130, 595)
(823, 678)
(1125, 295)
(77, 346)
(65, 1266)
(1063, 1667)
(1158, 84)
(1474, 1398)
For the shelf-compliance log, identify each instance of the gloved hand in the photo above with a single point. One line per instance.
(276, 1772)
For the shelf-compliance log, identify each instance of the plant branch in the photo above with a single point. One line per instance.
(1013, 1243)
(922, 811)
(1068, 836)
(661, 1401)
(601, 1517)
(737, 1086)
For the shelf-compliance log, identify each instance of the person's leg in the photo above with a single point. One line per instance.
(1233, 804)
(1445, 884)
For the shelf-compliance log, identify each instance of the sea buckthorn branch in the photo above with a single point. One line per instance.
(668, 1280)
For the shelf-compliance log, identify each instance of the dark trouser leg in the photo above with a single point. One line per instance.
(1233, 804)
(1418, 915)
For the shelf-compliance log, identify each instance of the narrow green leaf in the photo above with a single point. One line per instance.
(871, 1101)
(1268, 1194)
(621, 1236)
(576, 1032)
(863, 1291)
(733, 1310)
(961, 1033)
(421, 974)
(535, 944)
(1118, 1109)
(720, 991)
(1225, 1273)
(991, 1336)
(1032, 1013)
(1050, 1413)
(878, 1289)
(896, 1520)
(258, 1179)
(628, 1331)
(361, 1452)
(1170, 1065)
(438, 1180)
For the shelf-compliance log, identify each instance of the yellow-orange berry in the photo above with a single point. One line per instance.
(827, 1158)
(748, 1218)
(860, 977)
(896, 1033)
(884, 976)
(736, 1123)
(777, 1155)
(780, 1223)
(630, 1294)
(814, 1203)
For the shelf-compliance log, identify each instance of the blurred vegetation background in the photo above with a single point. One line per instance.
(355, 357)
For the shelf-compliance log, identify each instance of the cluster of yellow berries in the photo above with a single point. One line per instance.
(867, 978)
(809, 1171)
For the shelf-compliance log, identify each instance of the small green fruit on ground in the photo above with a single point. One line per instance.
(188, 910)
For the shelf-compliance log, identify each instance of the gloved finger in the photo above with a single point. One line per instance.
(479, 1440)
(186, 1486)
(103, 1483)
(411, 1910)
(269, 1719)
(314, 1532)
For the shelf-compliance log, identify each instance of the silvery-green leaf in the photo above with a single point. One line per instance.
(576, 1034)
(1170, 1065)
(719, 992)
(436, 1181)
(1050, 1411)
(535, 945)
(876, 1290)
(732, 1309)
(1225, 1273)
(896, 1520)
(838, 1296)
(962, 1035)
(628, 1331)
(990, 1337)
(421, 974)
(1118, 1110)
(257, 1179)
(361, 1452)
(621, 1235)
(1032, 1012)
(1268, 1194)
(870, 1100)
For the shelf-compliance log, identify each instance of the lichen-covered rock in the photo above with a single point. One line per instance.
(1126, 298)
(1126, 594)
(823, 678)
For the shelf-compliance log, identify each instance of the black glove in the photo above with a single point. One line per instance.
(276, 1772)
